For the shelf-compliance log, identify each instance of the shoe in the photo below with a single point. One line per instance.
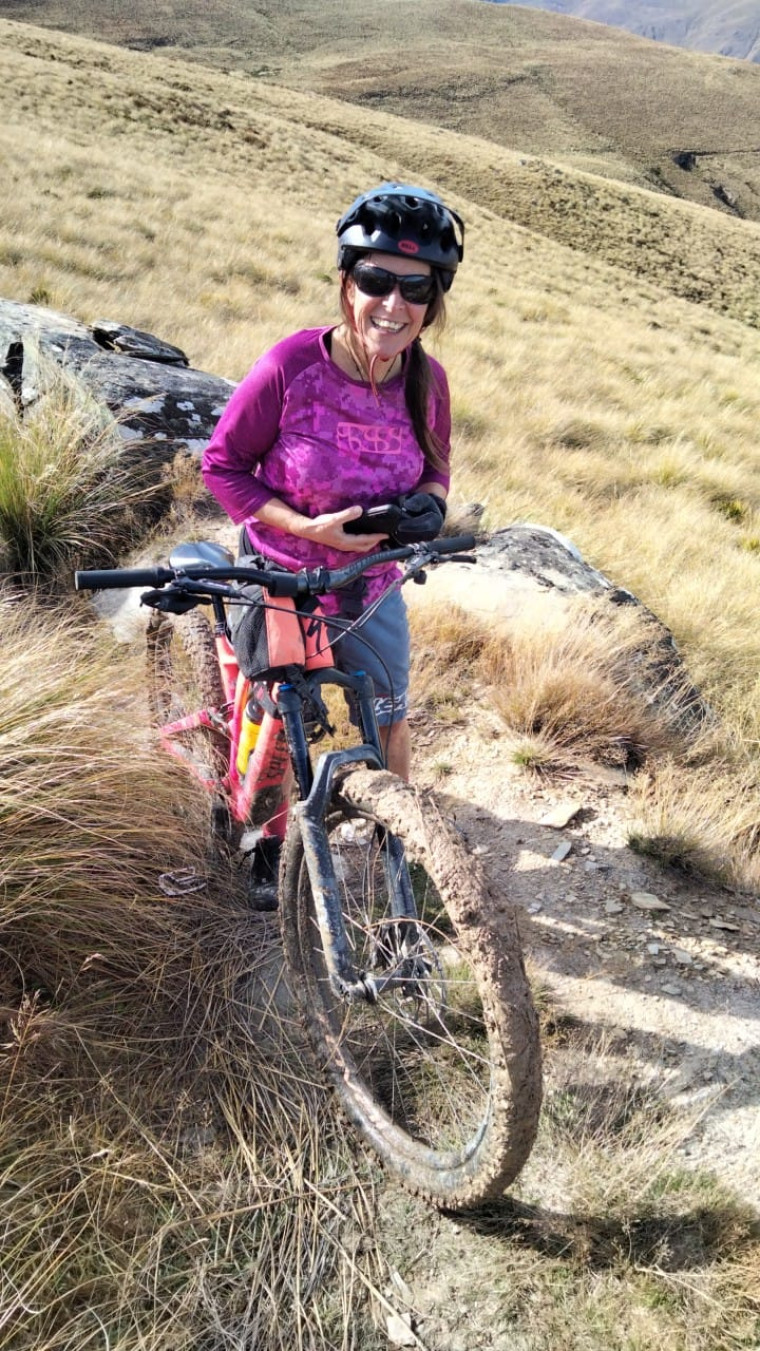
(263, 888)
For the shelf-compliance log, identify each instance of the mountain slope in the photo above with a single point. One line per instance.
(250, 127)
(703, 25)
(592, 96)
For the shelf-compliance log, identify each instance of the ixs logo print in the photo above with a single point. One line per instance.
(372, 440)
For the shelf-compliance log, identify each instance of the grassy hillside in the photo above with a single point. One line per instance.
(596, 98)
(202, 207)
(164, 1183)
(287, 142)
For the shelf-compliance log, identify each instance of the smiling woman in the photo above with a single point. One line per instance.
(334, 421)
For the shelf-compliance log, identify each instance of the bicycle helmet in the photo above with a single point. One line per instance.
(397, 218)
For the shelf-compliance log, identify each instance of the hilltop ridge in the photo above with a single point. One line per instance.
(246, 126)
(731, 29)
(594, 97)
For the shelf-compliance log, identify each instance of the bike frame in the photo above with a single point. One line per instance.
(282, 740)
(282, 736)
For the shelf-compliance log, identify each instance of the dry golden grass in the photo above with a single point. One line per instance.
(168, 1180)
(599, 99)
(607, 1241)
(68, 495)
(316, 152)
(169, 1173)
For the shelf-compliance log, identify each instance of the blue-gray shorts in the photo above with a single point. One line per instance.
(380, 647)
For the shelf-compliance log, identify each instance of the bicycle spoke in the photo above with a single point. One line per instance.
(422, 1045)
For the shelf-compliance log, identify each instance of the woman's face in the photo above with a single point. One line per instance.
(386, 325)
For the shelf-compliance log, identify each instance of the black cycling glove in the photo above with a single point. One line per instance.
(422, 518)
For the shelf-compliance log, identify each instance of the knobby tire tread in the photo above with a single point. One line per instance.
(486, 932)
(191, 636)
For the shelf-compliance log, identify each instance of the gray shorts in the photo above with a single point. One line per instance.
(380, 647)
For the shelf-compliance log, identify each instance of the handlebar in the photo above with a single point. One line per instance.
(306, 582)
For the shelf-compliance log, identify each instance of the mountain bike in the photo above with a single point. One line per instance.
(407, 969)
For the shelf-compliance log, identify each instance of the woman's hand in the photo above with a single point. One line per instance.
(328, 530)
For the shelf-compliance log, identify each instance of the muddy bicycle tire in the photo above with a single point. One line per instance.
(183, 677)
(443, 1077)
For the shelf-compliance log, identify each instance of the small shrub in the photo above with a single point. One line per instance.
(732, 508)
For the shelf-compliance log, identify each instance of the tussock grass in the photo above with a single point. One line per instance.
(604, 687)
(446, 647)
(704, 819)
(169, 1173)
(69, 496)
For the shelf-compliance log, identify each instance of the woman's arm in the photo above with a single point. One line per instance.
(326, 529)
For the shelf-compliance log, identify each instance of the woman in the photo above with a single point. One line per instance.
(335, 420)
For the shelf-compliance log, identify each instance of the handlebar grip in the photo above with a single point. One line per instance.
(104, 579)
(456, 544)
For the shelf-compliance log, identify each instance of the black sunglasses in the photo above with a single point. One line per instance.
(416, 288)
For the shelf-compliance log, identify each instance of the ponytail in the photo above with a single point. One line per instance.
(419, 386)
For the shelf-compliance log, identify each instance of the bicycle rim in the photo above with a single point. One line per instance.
(431, 1072)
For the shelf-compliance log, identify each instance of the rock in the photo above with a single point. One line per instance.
(671, 989)
(561, 815)
(683, 957)
(613, 908)
(725, 196)
(403, 1289)
(718, 923)
(562, 851)
(133, 342)
(147, 384)
(646, 900)
(400, 1331)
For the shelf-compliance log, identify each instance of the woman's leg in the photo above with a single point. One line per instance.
(397, 744)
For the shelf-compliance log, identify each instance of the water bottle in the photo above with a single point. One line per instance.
(250, 727)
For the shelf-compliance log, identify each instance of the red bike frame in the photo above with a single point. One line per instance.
(268, 764)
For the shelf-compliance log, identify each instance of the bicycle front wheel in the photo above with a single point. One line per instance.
(441, 1073)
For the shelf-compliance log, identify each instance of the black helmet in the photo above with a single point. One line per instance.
(397, 218)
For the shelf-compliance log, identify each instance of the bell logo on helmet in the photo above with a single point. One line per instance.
(408, 246)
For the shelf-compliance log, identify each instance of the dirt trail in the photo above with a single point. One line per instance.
(662, 967)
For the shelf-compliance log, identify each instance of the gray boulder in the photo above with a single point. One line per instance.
(148, 385)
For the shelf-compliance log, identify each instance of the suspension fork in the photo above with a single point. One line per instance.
(311, 813)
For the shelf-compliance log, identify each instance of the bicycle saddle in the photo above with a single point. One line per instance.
(198, 553)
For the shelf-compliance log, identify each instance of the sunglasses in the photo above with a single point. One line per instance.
(416, 288)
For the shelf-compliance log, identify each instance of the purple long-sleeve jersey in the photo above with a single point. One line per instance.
(297, 428)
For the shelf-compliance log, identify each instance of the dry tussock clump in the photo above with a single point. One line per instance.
(68, 493)
(169, 1173)
(702, 818)
(605, 688)
(445, 651)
